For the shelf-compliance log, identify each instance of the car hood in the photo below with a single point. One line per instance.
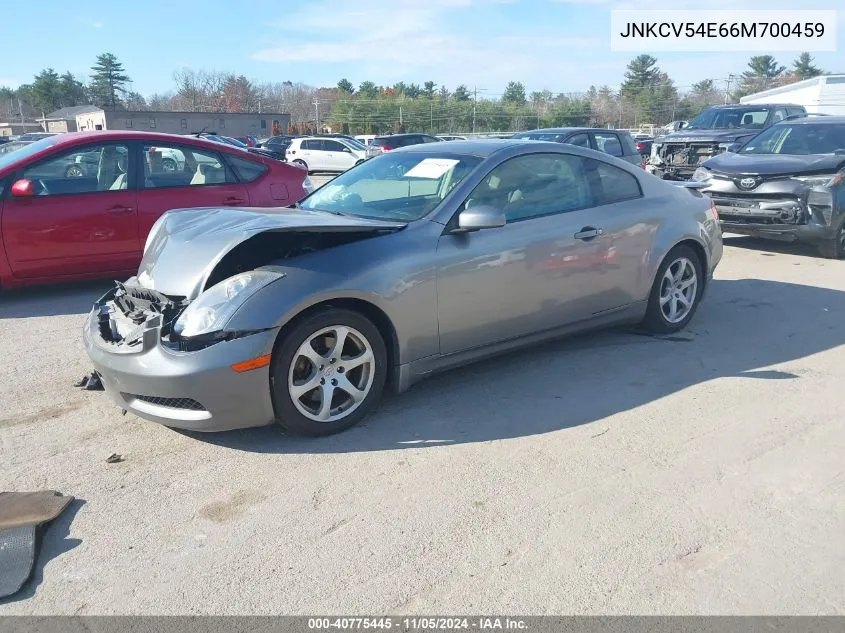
(772, 164)
(706, 136)
(185, 245)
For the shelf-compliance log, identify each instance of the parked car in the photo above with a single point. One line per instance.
(249, 141)
(324, 154)
(241, 318)
(5, 139)
(643, 143)
(12, 146)
(80, 205)
(449, 137)
(35, 136)
(614, 142)
(382, 144)
(676, 156)
(366, 139)
(787, 183)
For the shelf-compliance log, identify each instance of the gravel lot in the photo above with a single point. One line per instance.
(614, 473)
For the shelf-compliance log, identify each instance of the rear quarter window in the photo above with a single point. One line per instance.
(628, 144)
(614, 184)
(247, 170)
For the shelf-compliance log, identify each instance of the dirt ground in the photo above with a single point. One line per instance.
(614, 474)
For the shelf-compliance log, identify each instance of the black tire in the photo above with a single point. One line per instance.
(302, 163)
(168, 164)
(655, 320)
(834, 248)
(287, 413)
(74, 171)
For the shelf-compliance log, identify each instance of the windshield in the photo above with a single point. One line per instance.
(403, 186)
(729, 119)
(798, 139)
(234, 141)
(24, 151)
(540, 136)
(355, 143)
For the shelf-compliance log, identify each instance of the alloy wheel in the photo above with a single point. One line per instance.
(331, 373)
(678, 290)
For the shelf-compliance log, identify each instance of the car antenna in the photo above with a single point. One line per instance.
(201, 132)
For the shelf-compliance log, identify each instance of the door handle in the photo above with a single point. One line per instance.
(588, 233)
(233, 200)
(119, 209)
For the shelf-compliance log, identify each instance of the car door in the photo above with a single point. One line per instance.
(339, 156)
(82, 218)
(200, 179)
(543, 269)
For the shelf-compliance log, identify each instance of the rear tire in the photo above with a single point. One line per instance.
(302, 164)
(834, 248)
(676, 291)
(318, 389)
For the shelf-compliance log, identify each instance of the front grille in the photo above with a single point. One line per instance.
(173, 403)
(746, 210)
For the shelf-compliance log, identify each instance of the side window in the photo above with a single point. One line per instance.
(247, 170)
(614, 184)
(309, 145)
(608, 143)
(535, 185)
(182, 166)
(779, 115)
(333, 146)
(581, 140)
(87, 170)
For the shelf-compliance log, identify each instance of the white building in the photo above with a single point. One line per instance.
(825, 95)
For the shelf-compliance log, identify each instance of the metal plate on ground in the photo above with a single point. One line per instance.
(31, 508)
(17, 558)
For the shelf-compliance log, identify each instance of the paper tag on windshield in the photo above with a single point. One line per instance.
(431, 168)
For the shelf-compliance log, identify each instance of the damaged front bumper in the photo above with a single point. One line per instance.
(127, 337)
(678, 161)
(806, 216)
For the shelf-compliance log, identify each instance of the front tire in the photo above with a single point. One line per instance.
(834, 248)
(676, 291)
(328, 372)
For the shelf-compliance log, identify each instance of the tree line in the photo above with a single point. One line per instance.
(647, 96)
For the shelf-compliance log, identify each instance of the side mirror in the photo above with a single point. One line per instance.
(481, 217)
(23, 188)
(733, 147)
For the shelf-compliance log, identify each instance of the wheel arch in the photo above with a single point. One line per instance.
(367, 309)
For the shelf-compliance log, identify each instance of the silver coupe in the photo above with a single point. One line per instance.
(419, 260)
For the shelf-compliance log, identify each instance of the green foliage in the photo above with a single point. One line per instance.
(514, 93)
(803, 67)
(108, 81)
(461, 93)
(344, 85)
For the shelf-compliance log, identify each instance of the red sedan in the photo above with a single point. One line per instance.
(79, 206)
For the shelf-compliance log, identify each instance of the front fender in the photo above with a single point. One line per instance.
(409, 304)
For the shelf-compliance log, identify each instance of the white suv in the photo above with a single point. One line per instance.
(324, 154)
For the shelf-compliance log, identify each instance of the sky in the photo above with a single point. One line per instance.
(558, 45)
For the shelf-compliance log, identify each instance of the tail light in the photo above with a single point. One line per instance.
(152, 149)
(386, 148)
(640, 147)
(714, 210)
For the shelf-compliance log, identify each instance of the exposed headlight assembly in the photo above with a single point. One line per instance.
(702, 174)
(213, 308)
(825, 181)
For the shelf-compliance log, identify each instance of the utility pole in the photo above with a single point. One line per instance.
(431, 118)
(474, 104)
(317, 108)
(728, 89)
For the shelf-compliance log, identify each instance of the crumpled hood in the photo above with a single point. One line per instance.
(706, 136)
(771, 164)
(185, 245)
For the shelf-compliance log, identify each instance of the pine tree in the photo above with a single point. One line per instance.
(108, 81)
(803, 67)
